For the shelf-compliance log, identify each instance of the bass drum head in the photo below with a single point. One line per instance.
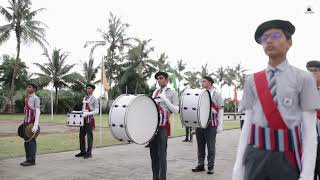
(205, 108)
(142, 119)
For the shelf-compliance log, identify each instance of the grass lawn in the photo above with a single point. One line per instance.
(57, 119)
(13, 146)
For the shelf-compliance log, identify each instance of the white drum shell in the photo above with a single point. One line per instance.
(195, 108)
(75, 119)
(133, 118)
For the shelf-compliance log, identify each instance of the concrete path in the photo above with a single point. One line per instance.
(125, 162)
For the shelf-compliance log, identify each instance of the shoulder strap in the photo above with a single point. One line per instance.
(156, 93)
(268, 105)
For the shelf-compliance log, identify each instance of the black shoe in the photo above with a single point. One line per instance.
(190, 140)
(81, 154)
(28, 163)
(87, 155)
(210, 171)
(198, 169)
(186, 140)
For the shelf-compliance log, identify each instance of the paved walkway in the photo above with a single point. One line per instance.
(125, 162)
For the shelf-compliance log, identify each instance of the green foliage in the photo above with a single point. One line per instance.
(21, 22)
(6, 73)
(229, 105)
(57, 71)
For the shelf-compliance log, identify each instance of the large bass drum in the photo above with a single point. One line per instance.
(134, 118)
(195, 108)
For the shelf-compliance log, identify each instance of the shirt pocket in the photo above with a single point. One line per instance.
(289, 99)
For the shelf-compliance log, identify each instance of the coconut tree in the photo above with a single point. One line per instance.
(89, 71)
(240, 76)
(205, 71)
(57, 72)
(220, 75)
(21, 22)
(139, 62)
(114, 40)
(192, 79)
(161, 64)
(178, 71)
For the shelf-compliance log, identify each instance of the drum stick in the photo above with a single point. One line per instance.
(65, 104)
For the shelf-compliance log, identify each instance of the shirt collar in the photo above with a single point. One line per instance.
(164, 88)
(31, 94)
(88, 96)
(281, 67)
(212, 89)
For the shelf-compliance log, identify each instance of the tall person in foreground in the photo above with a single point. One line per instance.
(278, 140)
(167, 102)
(314, 68)
(90, 108)
(32, 115)
(207, 137)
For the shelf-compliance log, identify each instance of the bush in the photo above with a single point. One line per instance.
(229, 105)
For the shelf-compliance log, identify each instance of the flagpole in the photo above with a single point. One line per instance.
(100, 133)
(51, 103)
(174, 83)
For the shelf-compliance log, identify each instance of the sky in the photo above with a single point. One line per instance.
(198, 31)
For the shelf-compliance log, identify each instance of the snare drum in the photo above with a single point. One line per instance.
(195, 108)
(75, 119)
(134, 118)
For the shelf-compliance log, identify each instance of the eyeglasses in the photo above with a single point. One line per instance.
(274, 36)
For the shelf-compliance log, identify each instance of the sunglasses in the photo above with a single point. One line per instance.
(274, 36)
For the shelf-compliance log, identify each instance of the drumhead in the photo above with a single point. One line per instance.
(205, 108)
(142, 119)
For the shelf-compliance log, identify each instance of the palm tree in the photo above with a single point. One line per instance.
(89, 71)
(21, 21)
(57, 72)
(162, 64)
(192, 79)
(180, 67)
(115, 39)
(220, 75)
(241, 81)
(139, 62)
(205, 71)
(240, 76)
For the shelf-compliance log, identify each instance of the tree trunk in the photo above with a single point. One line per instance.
(136, 88)
(14, 74)
(110, 75)
(56, 100)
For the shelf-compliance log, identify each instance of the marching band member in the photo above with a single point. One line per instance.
(278, 140)
(314, 67)
(167, 102)
(90, 108)
(32, 115)
(207, 136)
